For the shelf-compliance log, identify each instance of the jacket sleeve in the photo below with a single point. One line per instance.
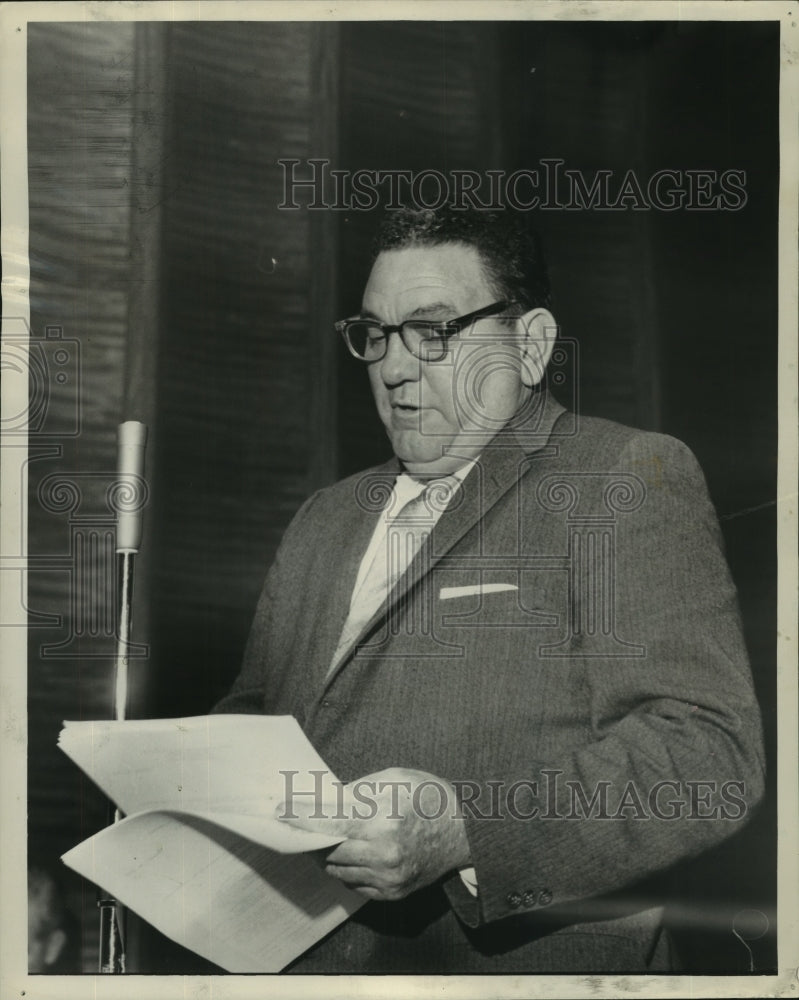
(674, 759)
(250, 691)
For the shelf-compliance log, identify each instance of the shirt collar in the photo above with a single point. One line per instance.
(406, 488)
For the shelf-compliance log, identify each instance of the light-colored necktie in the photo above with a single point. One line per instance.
(405, 535)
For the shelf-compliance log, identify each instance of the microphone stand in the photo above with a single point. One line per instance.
(130, 472)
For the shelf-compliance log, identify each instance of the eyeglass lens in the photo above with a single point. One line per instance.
(370, 343)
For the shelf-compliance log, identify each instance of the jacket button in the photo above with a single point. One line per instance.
(529, 898)
(514, 900)
(545, 897)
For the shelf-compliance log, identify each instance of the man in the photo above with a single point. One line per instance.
(535, 681)
(53, 941)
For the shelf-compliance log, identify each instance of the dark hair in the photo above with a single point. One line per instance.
(509, 250)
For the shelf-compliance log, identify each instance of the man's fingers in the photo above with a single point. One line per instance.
(306, 816)
(379, 885)
(369, 883)
(368, 892)
(354, 875)
(359, 853)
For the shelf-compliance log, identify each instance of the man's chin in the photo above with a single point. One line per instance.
(432, 457)
(413, 448)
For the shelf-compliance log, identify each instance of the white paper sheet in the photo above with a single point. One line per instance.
(201, 855)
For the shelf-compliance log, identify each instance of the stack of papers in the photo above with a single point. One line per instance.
(201, 855)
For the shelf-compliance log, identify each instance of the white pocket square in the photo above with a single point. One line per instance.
(472, 589)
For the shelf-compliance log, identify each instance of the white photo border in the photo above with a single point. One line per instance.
(14, 980)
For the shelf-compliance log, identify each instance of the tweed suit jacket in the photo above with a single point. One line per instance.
(596, 709)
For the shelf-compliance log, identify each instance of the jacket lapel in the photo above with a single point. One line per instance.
(498, 469)
(343, 555)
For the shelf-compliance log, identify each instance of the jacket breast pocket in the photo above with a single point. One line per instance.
(514, 598)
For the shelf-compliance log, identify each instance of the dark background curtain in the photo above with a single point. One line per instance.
(189, 300)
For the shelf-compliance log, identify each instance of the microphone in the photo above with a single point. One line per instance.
(129, 495)
(132, 437)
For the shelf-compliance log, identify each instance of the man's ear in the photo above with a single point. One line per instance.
(538, 330)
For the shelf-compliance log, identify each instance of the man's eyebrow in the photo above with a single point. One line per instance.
(433, 307)
(426, 310)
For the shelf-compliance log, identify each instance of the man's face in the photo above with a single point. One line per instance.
(440, 414)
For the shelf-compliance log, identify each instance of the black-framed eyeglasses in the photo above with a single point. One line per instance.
(367, 339)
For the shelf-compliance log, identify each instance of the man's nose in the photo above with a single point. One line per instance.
(398, 364)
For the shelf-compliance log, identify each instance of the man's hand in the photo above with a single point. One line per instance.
(403, 828)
